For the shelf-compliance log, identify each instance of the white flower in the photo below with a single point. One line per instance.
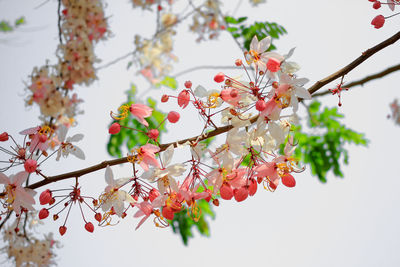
(296, 90)
(164, 176)
(114, 197)
(66, 146)
(17, 196)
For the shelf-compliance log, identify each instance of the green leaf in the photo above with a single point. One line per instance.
(231, 20)
(5, 26)
(323, 147)
(20, 21)
(169, 82)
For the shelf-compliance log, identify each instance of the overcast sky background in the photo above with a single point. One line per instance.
(346, 222)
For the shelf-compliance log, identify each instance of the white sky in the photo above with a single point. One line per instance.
(346, 222)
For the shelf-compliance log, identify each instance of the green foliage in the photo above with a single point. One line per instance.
(6, 26)
(134, 138)
(169, 82)
(323, 147)
(260, 29)
(183, 224)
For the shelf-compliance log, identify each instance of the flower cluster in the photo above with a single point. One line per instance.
(82, 23)
(155, 56)
(208, 22)
(254, 112)
(28, 250)
(379, 20)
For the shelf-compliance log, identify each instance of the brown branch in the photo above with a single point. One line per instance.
(104, 164)
(364, 56)
(223, 129)
(364, 80)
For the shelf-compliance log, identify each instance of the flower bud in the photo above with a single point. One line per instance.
(252, 187)
(114, 128)
(62, 230)
(43, 213)
(288, 180)
(45, 197)
(173, 116)
(164, 98)
(261, 105)
(153, 134)
(89, 227)
(226, 191)
(188, 84)
(378, 21)
(241, 193)
(238, 62)
(376, 5)
(183, 99)
(98, 217)
(30, 165)
(3, 137)
(219, 78)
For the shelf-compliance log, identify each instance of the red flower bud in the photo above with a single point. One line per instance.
(219, 78)
(153, 134)
(188, 84)
(226, 191)
(238, 62)
(378, 21)
(62, 230)
(89, 227)
(261, 105)
(164, 98)
(30, 165)
(173, 116)
(252, 187)
(98, 217)
(288, 180)
(114, 128)
(45, 197)
(3, 137)
(241, 193)
(43, 213)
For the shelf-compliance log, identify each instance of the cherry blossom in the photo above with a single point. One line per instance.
(18, 197)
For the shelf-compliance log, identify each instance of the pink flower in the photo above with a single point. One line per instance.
(38, 137)
(141, 111)
(17, 196)
(378, 21)
(183, 99)
(146, 156)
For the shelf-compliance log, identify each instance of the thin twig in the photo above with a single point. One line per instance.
(364, 56)
(364, 80)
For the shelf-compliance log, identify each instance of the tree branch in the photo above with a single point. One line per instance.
(365, 80)
(223, 129)
(364, 56)
(104, 164)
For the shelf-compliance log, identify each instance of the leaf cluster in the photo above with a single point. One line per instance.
(324, 146)
(245, 33)
(6, 26)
